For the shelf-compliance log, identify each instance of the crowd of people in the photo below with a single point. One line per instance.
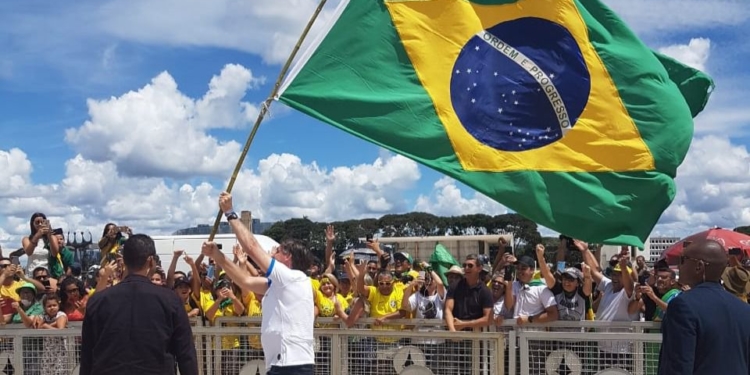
(51, 291)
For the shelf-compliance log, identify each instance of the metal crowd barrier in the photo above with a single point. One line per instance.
(408, 347)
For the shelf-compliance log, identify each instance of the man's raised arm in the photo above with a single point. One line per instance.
(244, 236)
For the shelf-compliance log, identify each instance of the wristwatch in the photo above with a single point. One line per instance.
(531, 319)
(231, 215)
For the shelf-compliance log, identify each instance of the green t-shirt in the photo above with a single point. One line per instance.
(57, 265)
(35, 310)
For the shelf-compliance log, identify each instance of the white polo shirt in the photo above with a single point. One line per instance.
(288, 317)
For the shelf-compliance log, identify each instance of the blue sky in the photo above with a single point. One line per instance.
(75, 76)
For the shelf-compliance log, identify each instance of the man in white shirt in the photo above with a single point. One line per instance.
(617, 293)
(532, 304)
(288, 315)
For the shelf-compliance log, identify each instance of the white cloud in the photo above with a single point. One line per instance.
(286, 187)
(158, 131)
(649, 17)
(446, 199)
(269, 28)
(694, 54)
(713, 188)
(15, 171)
(282, 186)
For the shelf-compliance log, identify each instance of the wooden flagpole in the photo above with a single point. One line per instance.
(264, 111)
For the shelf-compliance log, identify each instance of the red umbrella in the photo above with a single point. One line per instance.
(729, 239)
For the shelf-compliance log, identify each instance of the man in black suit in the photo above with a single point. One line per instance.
(706, 331)
(136, 327)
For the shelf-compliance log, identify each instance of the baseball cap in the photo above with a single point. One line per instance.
(222, 283)
(181, 281)
(618, 269)
(573, 272)
(526, 261)
(404, 255)
(26, 285)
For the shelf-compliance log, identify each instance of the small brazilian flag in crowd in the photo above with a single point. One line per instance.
(551, 107)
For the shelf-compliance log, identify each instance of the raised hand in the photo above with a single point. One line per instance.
(209, 249)
(540, 250)
(581, 245)
(239, 254)
(189, 260)
(225, 202)
(586, 270)
(330, 234)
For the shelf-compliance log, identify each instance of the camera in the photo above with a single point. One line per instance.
(223, 283)
(385, 260)
(569, 243)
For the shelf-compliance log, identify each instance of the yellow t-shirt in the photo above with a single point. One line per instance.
(253, 308)
(190, 306)
(315, 283)
(10, 290)
(348, 298)
(207, 300)
(327, 309)
(227, 342)
(381, 305)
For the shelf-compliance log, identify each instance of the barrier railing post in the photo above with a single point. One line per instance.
(500, 357)
(512, 347)
(523, 343)
(18, 354)
(337, 346)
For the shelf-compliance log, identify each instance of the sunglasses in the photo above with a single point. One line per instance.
(468, 265)
(76, 290)
(683, 258)
(385, 283)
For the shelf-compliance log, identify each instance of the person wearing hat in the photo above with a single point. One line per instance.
(454, 275)
(571, 291)
(531, 303)
(736, 280)
(227, 304)
(616, 294)
(403, 272)
(183, 288)
(28, 307)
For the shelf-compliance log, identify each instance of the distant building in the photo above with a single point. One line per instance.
(260, 227)
(224, 228)
(654, 246)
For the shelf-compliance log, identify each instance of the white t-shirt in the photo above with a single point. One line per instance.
(39, 258)
(431, 307)
(614, 308)
(569, 309)
(531, 300)
(288, 318)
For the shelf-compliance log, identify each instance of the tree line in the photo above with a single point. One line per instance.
(413, 224)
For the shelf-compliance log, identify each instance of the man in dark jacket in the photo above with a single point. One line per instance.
(706, 330)
(136, 327)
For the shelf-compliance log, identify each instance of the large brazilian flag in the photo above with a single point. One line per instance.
(551, 107)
